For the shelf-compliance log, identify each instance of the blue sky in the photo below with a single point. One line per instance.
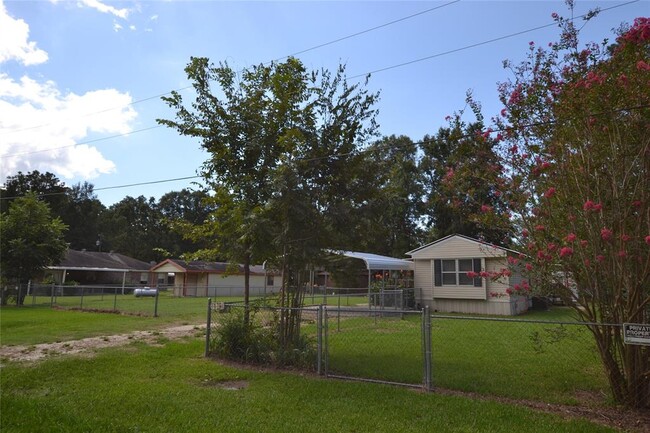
(79, 79)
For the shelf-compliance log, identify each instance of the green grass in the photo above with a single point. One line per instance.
(534, 361)
(173, 388)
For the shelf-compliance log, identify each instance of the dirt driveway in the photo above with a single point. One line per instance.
(88, 345)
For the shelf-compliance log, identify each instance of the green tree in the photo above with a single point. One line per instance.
(284, 149)
(134, 227)
(30, 240)
(578, 155)
(461, 170)
(390, 224)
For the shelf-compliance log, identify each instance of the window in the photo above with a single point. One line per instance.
(453, 272)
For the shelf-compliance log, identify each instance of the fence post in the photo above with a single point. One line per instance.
(208, 327)
(319, 336)
(426, 348)
(326, 342)
(155, 305)
(52, 297)
(115, 299)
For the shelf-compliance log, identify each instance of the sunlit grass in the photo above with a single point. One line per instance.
(174, 389)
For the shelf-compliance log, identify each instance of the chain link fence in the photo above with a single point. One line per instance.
(552, 361)
(131, 300)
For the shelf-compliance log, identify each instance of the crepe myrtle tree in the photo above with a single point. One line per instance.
(575, 147)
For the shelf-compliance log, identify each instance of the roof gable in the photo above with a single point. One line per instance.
(458, 246)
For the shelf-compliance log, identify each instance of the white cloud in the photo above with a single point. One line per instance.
(117, 27)
(104, 8)
(153, 17)
(39, 127)
(14, 43)
(132, 27)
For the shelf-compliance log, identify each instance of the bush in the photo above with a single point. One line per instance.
(258, 340)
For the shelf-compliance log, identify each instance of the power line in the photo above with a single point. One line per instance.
(113, 187)
(284, 57)
(366, 150)
(110, 137)
(352, 77)
(478, 44)
(367, 30)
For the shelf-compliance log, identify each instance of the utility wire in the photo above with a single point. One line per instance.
(110, 137)
(366, 31)
(478, 44)
(354, 76)
(366, 150)
(281, 58)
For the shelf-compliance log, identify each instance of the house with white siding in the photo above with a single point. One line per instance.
(459, 274)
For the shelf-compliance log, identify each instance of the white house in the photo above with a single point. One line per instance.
(199, 278)
(458, 274)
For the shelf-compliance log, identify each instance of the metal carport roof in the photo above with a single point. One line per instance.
(375, 262)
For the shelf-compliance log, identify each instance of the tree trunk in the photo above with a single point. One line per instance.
(247, 276)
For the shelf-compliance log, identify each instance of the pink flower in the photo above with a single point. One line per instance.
(509, 291)
(506, 272)
(642, 66)
(529, 267)
(450, 174)
(499, 137)
(484, 274)
(622, 253)
(584, 243)
(551, 246)
(598, 207)
(572, 218)
(485, 208)
(513, 260)
(589, 205)
(606, 234)
(554, 15)
(550, 192)
(647, 239)
(447, 118)
(524, 233)
(587, 262)
(531, 43)
(600, 258)
(472, 274)
(571, 237)
(504, 112)
(636, 203)
(566, 252)
(540, 228)
(625, 237)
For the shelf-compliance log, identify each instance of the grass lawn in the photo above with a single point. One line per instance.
(537, 361)
(174, 389)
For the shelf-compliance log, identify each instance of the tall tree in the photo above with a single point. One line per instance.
(133, 227)
(284, 152)
(578, 155)
(461, 170)
(30, 240)
(392, 221)
(46, 186)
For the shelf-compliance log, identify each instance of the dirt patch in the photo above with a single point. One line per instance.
(229, 385)
(87, 346)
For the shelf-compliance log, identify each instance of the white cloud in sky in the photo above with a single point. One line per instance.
(40, 125)
(153, 17)
(117, 27)
(132, 27)
(14, 43)
(104, 8)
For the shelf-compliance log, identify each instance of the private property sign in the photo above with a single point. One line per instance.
(636, 333)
